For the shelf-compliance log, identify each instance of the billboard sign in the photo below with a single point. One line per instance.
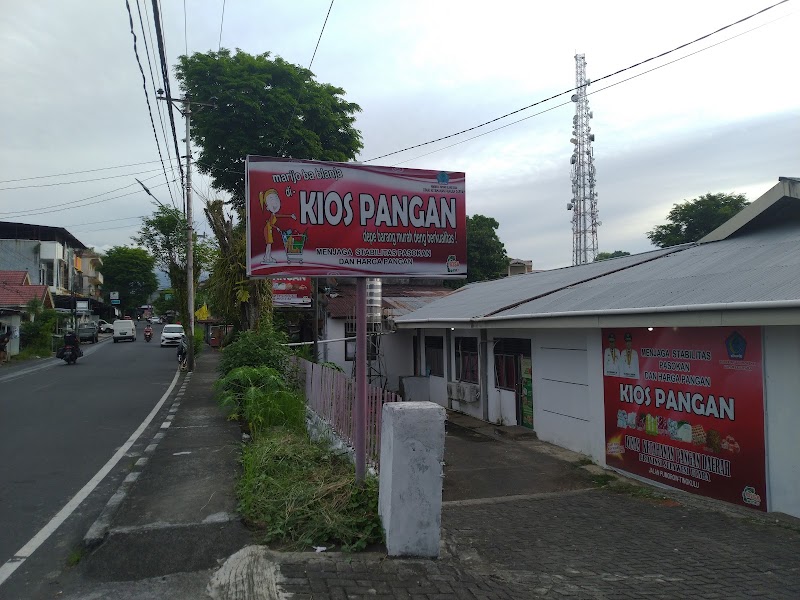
(319, 219)
(291, 291)
(685, 407)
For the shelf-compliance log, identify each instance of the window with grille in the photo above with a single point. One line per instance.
(434, 355)
(507, 352)
(467, 359)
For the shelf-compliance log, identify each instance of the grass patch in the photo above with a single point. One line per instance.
(603, 479)
(75, 557)
(302, 494)
(582, 462)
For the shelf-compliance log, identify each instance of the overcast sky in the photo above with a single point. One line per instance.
(726, 119)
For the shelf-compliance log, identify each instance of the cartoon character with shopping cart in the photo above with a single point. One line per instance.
(271, 202)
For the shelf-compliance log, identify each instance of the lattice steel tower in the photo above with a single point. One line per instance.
(584, 197)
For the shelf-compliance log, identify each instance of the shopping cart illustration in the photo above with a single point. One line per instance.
(294, 243)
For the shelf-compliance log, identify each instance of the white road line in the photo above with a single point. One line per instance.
(45, 532)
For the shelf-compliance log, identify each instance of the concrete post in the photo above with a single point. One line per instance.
(410, 497)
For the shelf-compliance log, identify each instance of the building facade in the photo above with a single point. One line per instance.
(677, 366)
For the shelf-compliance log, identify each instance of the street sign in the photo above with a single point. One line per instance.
(115, 302)
(114, 296)
(82, 305)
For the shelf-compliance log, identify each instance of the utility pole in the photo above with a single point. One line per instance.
(187, 113)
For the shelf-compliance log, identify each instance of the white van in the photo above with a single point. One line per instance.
(124, 330)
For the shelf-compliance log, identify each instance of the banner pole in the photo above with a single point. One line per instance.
(360, 408)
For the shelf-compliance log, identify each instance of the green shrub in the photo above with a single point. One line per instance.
(302, 494)
(259, 348)
(199, 340)
(261, 396)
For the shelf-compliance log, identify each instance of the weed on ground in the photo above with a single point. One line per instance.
(302, 494)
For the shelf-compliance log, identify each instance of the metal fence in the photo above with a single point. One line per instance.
(331, 394)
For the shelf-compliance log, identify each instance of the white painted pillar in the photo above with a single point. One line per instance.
(410, 498)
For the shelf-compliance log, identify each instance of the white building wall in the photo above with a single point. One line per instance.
(568, 390)
(334, 351)
(51, 251)
(782, 382)
(398, 356)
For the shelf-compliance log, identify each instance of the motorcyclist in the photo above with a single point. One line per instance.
(148, 330)
(71, 339)
(183, 349)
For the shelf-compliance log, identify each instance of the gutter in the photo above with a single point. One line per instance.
(680, 308)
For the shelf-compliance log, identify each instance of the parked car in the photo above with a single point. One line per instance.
(171, 335)
(87, 332)
(124, 329)
(155, 320)
(104, 326)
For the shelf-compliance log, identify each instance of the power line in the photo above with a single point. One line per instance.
(513, 112)
(58, 183)
(147, 162)
(185, 35)
(165, 77)
(222, 20)
(105, 221)
(541, 112)
(153, 83)
(320, 35)
(144, 87)
(158, 104)
(69, 205)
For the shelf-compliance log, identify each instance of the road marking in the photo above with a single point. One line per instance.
(8, 568)
(48, 362)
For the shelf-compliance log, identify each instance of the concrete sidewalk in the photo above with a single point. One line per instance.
(521, 519)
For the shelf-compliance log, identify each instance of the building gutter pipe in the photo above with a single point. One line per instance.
(681, 308)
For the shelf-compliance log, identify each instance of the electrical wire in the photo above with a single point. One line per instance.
(158, 104)
(70, 205)
(105, 221)
(165, 76)
(222, 20)
(588, 93)
(58, 183)
(144, 87)
(652, 58)
(185, 35)
(147, 162)
(155, 93)
(320, 35)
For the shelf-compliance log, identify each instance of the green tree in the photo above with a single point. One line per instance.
(129, 271)
(693, 219)
(265, 106)
(238, 299)
(164, 235)
(486, 254)
(606, 255)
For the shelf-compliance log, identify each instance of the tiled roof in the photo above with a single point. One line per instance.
(13, 296)
(13, 277)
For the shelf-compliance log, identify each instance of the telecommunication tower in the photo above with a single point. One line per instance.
(584, 197)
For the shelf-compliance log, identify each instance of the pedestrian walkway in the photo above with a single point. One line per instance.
(521, 519)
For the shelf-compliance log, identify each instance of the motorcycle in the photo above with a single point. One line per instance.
(148, 335)
(70, 354)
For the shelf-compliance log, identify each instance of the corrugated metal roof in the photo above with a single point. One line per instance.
(763, 266)
(480, 299)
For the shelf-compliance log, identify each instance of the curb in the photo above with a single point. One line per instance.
(99, 530)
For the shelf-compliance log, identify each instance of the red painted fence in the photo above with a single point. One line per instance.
(331, 394)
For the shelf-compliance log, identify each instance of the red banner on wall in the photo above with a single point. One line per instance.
(685, 407)
(339, 219)
(291, 291)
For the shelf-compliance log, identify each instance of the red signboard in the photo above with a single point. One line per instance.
(291, 291)
(308, 218)
(685, 407)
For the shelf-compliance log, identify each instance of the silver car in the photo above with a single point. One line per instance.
(171, 335)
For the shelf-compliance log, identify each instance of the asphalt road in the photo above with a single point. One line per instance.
(59, 425)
